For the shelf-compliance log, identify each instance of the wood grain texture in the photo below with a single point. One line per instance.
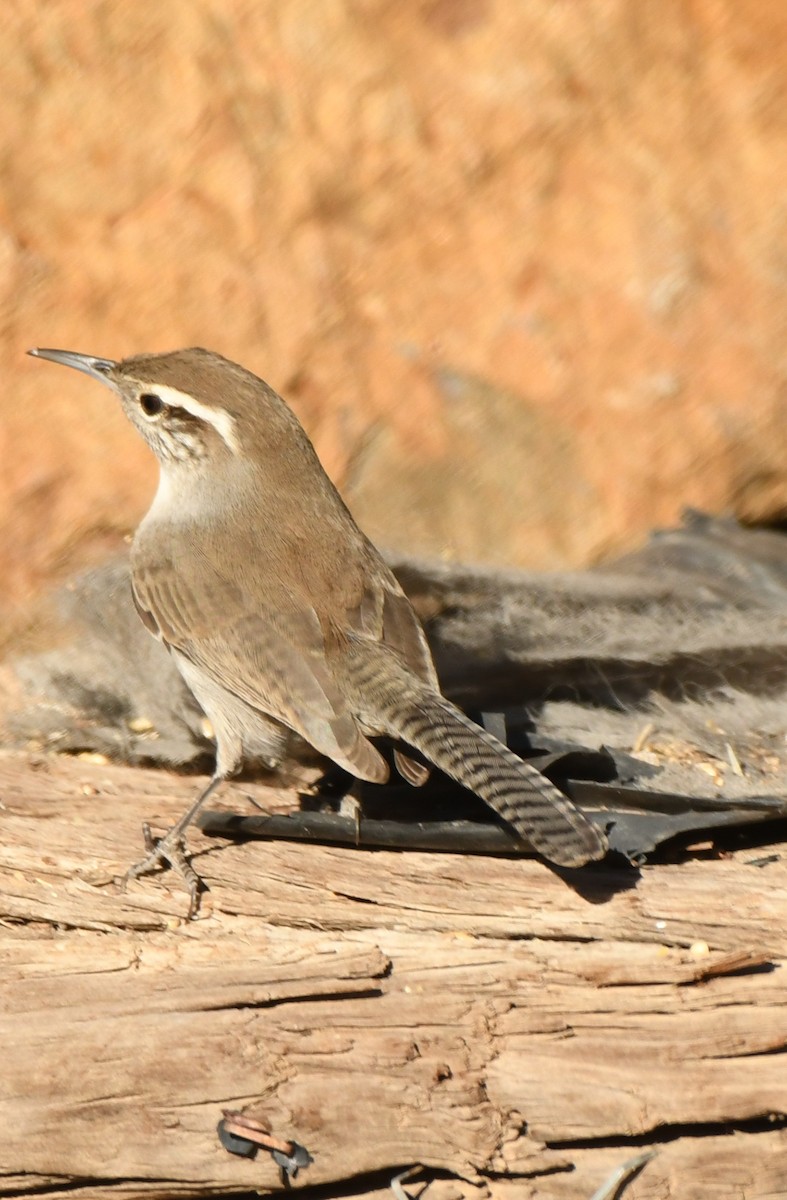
(474, 1015)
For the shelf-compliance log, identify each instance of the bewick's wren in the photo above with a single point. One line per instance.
(281, 615)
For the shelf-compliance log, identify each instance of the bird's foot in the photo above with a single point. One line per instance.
(168, 851)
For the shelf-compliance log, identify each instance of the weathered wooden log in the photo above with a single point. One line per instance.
(476, 1016)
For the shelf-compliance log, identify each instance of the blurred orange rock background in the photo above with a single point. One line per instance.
(521, 269)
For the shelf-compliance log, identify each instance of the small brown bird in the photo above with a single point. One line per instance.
(281, 615)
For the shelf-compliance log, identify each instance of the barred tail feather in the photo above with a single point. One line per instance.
(523, 797)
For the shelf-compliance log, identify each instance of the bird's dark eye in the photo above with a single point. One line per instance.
(151, 405)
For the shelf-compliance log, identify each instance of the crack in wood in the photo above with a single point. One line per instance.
(294, 998)
(665, 1134)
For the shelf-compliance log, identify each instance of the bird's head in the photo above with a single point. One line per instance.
(193, 406)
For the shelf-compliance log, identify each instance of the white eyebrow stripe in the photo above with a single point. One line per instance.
(221, 420)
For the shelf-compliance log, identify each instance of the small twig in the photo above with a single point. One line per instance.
(256, 804)
(398, 1180)
(762, 862)
(622, 1174)
(642, 737)
(735, 762)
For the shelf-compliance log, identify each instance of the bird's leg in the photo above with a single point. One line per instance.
(171, 850)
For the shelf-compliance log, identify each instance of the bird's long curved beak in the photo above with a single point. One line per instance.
(96, 368)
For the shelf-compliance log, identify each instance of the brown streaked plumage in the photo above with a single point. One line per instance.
(280, 614)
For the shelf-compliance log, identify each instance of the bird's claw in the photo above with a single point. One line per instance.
(168, 851)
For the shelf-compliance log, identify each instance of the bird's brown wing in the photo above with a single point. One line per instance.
(386, 615)
(273, 661)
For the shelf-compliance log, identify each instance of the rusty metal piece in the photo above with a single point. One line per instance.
(244, 1135)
